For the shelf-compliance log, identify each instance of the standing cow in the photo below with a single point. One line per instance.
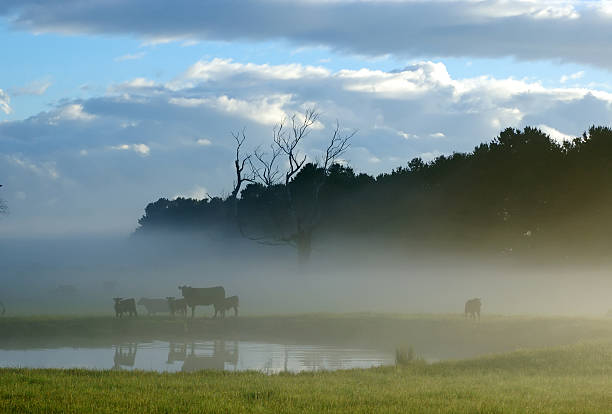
(227, 304)
(472, 308)
(202, 296)
(177, 306)
(154, 305)
(125, 306)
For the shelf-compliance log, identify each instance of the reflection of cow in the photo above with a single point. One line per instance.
(176, 352)
(154, 305)
(177, 305)
(216, 361)
(472, 308)
(125, 306)
(202, 296)
(125, 355)
(227, 304)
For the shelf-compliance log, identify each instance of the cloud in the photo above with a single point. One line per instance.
(38, 87)
(197, 193)
(140, 149)
(71, 112)
(573, 76)
(555, 134)
(560, 30)
(5, 103)
(203, 142)
(134, 56)
(399, 115)
(45, 169)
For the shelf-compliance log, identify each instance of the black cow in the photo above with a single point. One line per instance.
(177, 306)
(472, 308)
(227, 304)
(125, 306)
(202, 296)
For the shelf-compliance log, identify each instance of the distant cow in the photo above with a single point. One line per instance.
(472, 308)
(202, 296)
(154, 305)
(177, 306)
(125, 306)
(227, 304)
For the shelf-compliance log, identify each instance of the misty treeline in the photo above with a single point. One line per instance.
(522, 193)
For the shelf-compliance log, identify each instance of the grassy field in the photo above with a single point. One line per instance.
(561, 365)
(570, 379)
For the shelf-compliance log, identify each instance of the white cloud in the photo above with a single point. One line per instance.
(197, 193)
(140, 149)
(573, 76)
(203, 142)
(72, 112)
(139, 83)
(437, 135)
(134, 56)
(45, 169)
(266, 110)
(5, 103)
(38, 87)
(555, 133)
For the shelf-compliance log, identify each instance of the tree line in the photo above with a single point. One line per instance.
(521, 193)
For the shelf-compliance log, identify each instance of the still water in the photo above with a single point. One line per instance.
(193, 356)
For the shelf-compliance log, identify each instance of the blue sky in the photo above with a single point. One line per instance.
(106, 106)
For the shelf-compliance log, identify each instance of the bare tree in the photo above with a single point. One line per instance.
(239, 164)
(265, 169)
(287, 136)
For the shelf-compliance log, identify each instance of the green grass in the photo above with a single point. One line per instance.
(570, 379)
(566, 366)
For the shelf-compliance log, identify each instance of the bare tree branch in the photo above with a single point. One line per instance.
(268, 172)
(239, 163)
(337, 146)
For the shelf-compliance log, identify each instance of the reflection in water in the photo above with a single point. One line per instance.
(221, 353)
(197, 355)
(125, 356)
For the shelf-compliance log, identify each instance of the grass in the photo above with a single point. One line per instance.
(568, 371)
(569, 379)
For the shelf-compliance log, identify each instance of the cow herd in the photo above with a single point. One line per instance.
(192, 297)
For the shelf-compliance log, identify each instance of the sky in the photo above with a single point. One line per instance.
(107, 105)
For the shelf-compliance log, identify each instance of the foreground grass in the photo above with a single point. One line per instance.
(569, 379)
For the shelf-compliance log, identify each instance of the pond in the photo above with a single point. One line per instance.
(164, 356)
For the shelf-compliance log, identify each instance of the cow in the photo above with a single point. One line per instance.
(177, 306)
(227, 304)
(154, 305)
(472, 308)
(202, 296)
(125, 306)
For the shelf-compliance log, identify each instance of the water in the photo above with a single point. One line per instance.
(194, 356)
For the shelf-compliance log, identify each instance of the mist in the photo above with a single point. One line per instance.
(82, 275)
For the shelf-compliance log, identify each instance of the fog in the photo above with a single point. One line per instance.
(81, 275)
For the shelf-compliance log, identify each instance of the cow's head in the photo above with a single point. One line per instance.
(117, 300)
